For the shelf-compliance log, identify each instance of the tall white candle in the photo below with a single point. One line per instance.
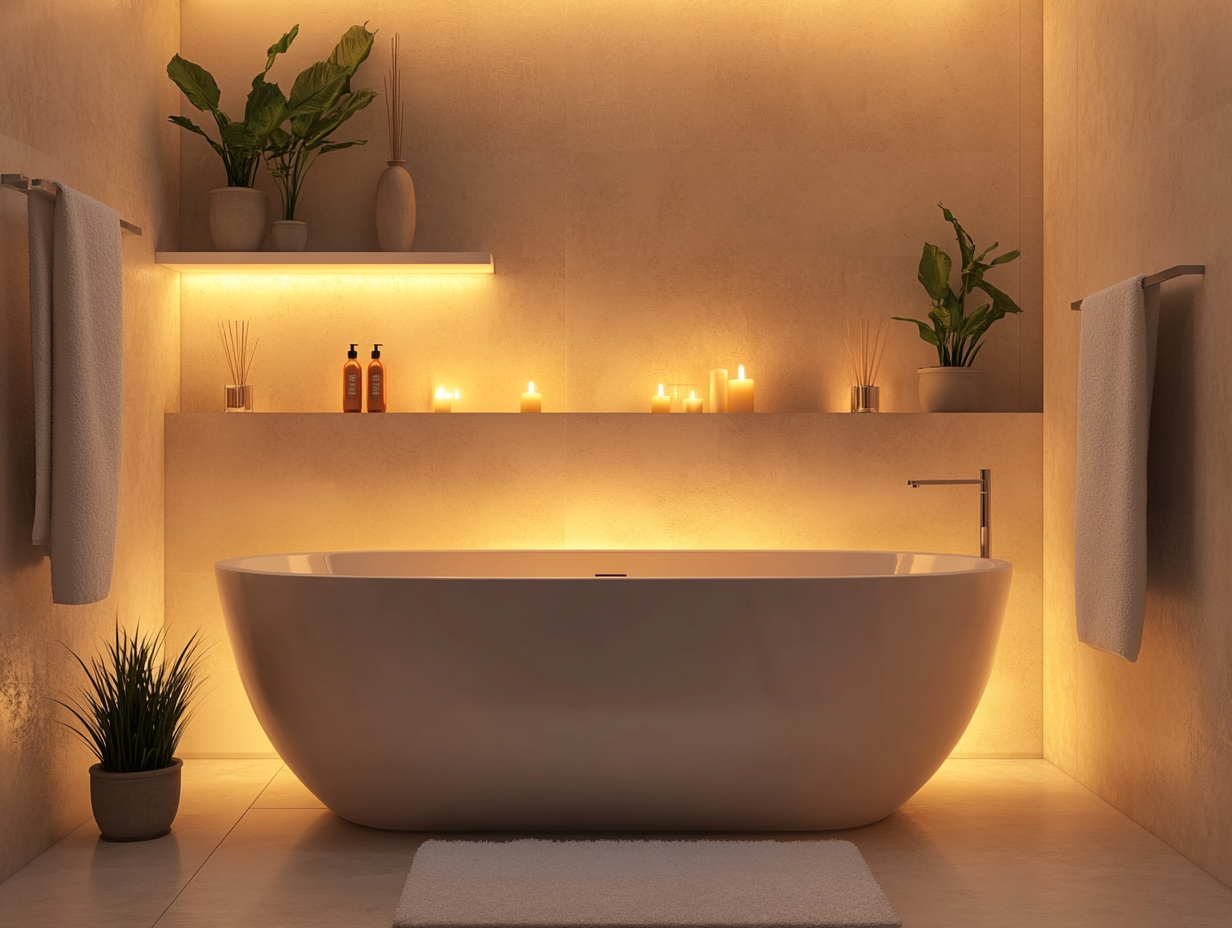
(718, 390)
(740, 393)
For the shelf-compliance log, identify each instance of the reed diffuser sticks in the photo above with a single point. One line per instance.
(234, 336)
(865, 360)
(866, 356)
(394, 106)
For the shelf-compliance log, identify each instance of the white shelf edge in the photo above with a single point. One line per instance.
(326, 262)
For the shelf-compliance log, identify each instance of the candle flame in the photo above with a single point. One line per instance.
(441, 393)
(740, 376)
(660, 389)
(692, 394)
(530, 387)
(457, 394)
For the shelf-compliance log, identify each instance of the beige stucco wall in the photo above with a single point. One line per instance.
(267, 483)
(1138, 162)
(666, 188)
(83, 101)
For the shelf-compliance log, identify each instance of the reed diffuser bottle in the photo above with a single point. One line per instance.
(237, 395)
(395, 191)
(865, 357)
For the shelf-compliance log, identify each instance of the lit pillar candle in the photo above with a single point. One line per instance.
(740, 393)
(693, 403)
(532, 401)
(443, 401)
(660, 403)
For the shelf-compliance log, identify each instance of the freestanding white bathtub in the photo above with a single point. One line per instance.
(696, 690)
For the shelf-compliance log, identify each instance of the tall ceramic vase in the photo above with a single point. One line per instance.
(395, 208)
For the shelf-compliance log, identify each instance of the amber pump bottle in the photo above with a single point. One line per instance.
(352, 383)
(377, 387)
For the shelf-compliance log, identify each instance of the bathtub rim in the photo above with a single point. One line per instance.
(988, 565)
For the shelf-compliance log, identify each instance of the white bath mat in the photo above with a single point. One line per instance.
(718, 884)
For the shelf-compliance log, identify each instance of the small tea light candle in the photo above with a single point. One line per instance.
(693, 403)
(532, 401)
(740, 393)
(443, 401)
(660, 403)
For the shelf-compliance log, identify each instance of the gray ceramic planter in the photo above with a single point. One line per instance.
(135, 806)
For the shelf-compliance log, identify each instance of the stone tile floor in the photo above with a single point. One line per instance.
(985, 843)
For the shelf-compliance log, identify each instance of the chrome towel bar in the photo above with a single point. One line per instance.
(1180, 270)
(47, 188)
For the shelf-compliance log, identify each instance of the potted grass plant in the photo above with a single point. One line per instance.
(131, 714)
(321, 102)
(953, 385)
(238, 211)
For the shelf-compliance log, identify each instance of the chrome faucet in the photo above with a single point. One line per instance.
(985, 483)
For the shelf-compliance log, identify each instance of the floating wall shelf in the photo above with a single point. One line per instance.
(327, 262)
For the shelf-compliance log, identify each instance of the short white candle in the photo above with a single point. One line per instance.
(532, 401)
(660, 403)
(693, 403)
(443, 401)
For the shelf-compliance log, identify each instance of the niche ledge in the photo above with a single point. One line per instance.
(327, 262)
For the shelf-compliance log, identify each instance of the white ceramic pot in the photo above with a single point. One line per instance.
(395, 208)
(289, 235)
(135, 806)
(950, 389)
(238, 217)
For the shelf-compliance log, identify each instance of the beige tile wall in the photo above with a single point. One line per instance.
(1138, 145)
(266, 483)
(81, 100)
(666, 188)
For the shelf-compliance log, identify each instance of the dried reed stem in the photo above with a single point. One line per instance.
(394, 106)
(866, 357)
(234, 337)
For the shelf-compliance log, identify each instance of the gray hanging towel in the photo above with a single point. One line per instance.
(84, 333)
(1116, 374)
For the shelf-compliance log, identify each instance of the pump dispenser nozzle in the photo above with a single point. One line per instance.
(353, 353)
(376, 350)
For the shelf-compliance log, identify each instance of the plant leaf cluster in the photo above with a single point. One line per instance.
(133, 708)
(241, 143)
(958, 336)
(289, 132)
(321, 101)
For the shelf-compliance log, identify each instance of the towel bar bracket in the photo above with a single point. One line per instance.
(1181, 270)
(48, 188)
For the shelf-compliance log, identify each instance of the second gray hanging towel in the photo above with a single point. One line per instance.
(1116, 375)
(76, 305)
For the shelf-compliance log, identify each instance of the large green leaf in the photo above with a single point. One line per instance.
(926, 331)
(935, 266)
(186, 123)
(1005, 258)
(965, 244)
(352, 50)
(277, 49)
(266, 110)
(1001, 301)
(196, 83)
(315, 90)
(350, 104)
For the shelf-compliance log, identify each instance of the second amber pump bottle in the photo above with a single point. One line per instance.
(376, 382)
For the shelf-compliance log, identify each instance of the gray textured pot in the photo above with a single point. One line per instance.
(238, 218)
(135, 806)
(950, 389)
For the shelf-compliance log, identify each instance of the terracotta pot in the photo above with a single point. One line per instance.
(289, 235)
(950, 389)
(238, 217)
(395, 208)
(135, 806)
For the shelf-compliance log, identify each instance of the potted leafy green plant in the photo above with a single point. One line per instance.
(238, 212)
(321, 101)
(131, 714)
(952, 386)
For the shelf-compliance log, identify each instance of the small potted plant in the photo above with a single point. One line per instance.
(238, 212)
(131, 714)
(953, 386)
(321, 101)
